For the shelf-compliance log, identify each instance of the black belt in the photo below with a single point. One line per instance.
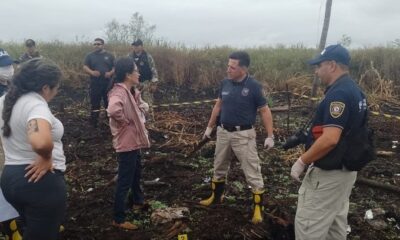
(230, 128)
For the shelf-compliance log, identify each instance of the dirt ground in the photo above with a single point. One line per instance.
(173, 180)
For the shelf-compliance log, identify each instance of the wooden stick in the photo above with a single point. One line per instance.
(377, 184)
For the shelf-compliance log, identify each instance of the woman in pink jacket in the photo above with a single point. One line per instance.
(126, 114)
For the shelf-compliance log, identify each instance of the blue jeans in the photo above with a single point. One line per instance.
(129, 175)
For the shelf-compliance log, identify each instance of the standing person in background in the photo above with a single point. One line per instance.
(31, 51)
(323, 201)
(33, 177)
(8, 223)
(240, 98)
(6, 70)
(147, 69)
(99, 64)
(129, 137)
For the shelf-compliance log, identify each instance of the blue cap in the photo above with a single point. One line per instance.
(5, 59)
(335, 53)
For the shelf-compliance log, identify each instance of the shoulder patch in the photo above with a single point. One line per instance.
(336, 109)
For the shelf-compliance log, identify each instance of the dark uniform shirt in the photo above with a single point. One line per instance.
(26, 56)
(344, 106)
(240, 101)
(143, 63)
(100, 61)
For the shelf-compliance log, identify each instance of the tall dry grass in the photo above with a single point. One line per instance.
(203, 68)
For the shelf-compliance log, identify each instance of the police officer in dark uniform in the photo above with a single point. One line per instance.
(323, 201)
(148, 73)
(99, 64)
(239, 100)
(31, 51)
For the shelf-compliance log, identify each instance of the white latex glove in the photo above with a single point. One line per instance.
(269, 142)
(154, 80)
(144, 106)
(297, 169)
(207, 133)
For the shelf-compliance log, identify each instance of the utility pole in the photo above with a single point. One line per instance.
(322, 41)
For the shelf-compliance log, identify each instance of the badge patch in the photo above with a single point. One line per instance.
(336, 109)
(245, 92)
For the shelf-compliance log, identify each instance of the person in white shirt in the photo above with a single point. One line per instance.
(8, 213)
(33, 176)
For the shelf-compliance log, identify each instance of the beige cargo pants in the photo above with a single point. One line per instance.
(243, 145)
(323, 204)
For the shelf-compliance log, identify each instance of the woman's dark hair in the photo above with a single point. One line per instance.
(31, 76)
(123, 66)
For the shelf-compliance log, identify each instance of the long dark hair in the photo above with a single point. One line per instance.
(123, 66)
(30, 77)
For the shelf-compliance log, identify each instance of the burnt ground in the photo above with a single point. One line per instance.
(173, 180)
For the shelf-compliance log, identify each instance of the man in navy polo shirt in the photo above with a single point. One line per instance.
(99, 64)
(240, 98)
(323, 201)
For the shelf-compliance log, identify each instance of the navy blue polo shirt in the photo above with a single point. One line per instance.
(240, 101)
(100, 61)
(344, 106)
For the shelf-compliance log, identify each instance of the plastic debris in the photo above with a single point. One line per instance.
(348, 229)
(369, 215)
(207, 179)
(169, 214)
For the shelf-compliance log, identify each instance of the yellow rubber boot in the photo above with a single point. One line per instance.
(14, 229)
(217, 195)
(258, 207)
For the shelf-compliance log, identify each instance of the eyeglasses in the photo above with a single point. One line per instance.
(97, 44)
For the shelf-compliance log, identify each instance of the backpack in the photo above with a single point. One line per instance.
(355, 149)
(360, 148)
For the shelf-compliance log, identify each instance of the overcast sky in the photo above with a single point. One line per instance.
(239, 23)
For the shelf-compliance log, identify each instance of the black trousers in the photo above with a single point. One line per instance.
(41, 205)
(129, 175)
(98, 91)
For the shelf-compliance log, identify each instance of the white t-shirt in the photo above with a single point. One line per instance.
(17, 149)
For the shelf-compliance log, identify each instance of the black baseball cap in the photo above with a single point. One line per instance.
(137, 42)
(30, 43)
(335, 52)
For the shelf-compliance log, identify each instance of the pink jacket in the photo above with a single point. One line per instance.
(126, 120)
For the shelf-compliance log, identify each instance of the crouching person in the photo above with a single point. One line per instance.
(129, 136)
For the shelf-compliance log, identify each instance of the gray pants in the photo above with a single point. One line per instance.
(323, 204)
(243, 145)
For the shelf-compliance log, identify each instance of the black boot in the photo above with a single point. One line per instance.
(217, 195)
